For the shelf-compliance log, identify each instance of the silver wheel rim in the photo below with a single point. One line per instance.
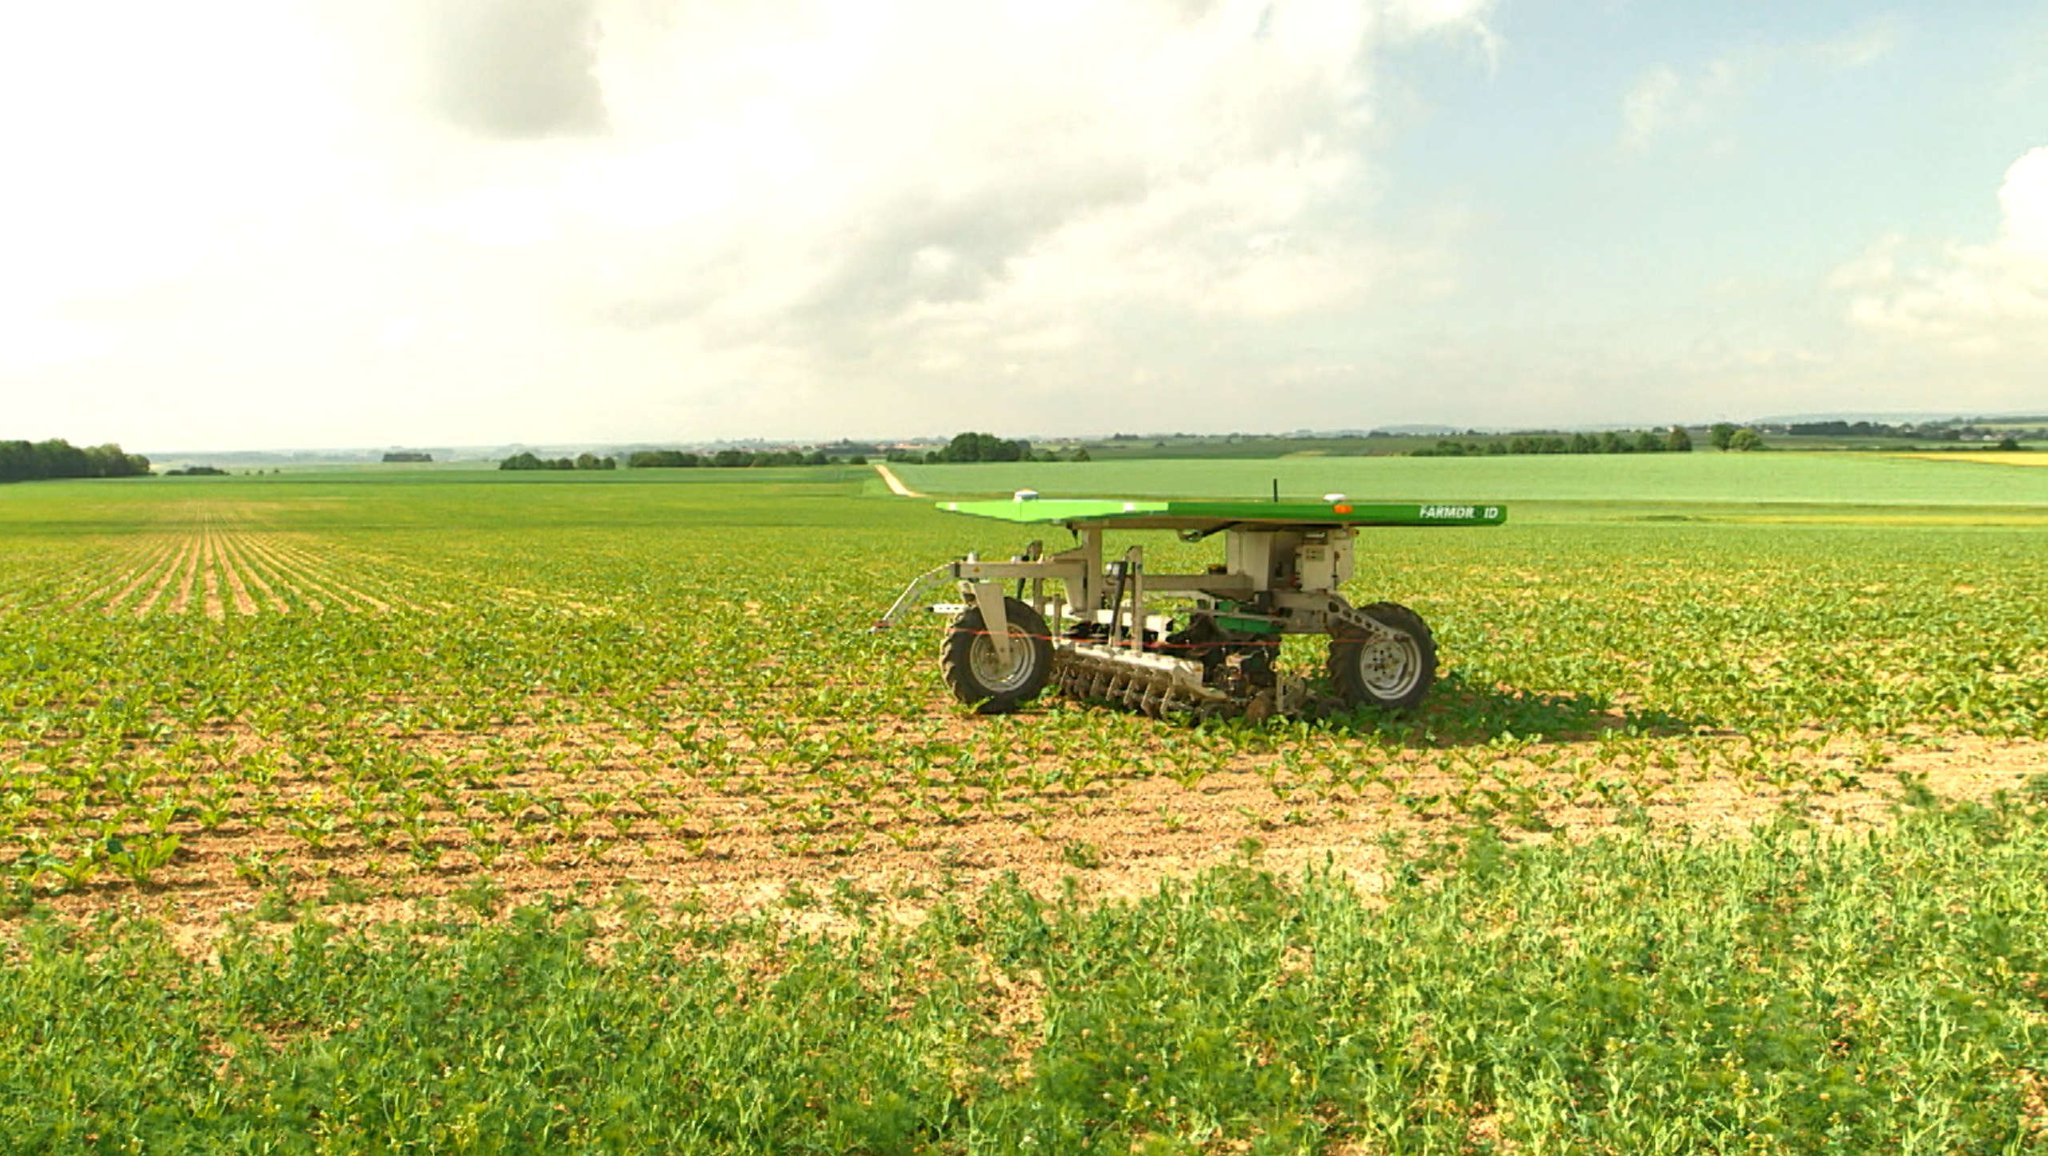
(995, 675)
(1390, 665)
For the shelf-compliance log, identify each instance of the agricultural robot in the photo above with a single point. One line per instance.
(1101, 627)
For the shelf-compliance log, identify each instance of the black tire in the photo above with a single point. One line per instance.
(1388, 673)
(978, 678)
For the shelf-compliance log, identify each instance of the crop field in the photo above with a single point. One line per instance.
(1764, 485)
(217, 568)
(462, 809)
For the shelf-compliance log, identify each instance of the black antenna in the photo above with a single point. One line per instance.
(1276, 489)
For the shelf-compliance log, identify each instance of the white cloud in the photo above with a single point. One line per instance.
(757, 216)
(1648, 106)
(1860, 47)
(1983, 300)
(1663, 99)
(1461, 19)
(2023, 202)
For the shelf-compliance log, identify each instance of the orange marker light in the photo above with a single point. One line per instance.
(1342, 508)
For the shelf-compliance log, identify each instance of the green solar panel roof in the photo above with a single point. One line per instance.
(1141, 514)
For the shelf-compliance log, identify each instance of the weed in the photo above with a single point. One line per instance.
(481, 896)
(1081, 855)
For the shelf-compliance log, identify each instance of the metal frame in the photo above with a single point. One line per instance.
(1262, 560)
(1303, 606)
(1282, 570)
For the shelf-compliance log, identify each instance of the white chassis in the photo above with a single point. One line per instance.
(1275, 580)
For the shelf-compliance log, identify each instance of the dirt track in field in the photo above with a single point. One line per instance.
(895, 483)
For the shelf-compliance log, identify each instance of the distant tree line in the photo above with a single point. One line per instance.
(582, 461)
(1726, 435)
(408, 456)
(1856, 429)
(983, 447)
(1940, 431)
(966, 447)
(730, 459)
(1673, 440)
(974, 447)
(197, 472)
(22, 461)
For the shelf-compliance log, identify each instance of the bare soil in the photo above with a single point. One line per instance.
(745, 841)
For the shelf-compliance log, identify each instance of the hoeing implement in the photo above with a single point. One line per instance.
(1102, 627)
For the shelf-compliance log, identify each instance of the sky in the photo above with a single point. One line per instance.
(250, 224)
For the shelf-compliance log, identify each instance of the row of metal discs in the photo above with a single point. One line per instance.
(1151, 692)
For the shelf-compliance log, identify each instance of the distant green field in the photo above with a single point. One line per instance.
(1760, 479)
(1251, 446)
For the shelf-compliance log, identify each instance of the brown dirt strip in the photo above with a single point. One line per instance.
(303, 573)
(215, 609)
(107, 572)
(371, 576)
(121, 564)
(126, 569)
(164, 581)
(316, 564)
(237, 590)
(241, 571)
(398, 580)
(260, 566)
(320, 569)
(304, 586)
(183, 598)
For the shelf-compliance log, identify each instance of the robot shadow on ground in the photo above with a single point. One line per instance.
(1458, 713)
